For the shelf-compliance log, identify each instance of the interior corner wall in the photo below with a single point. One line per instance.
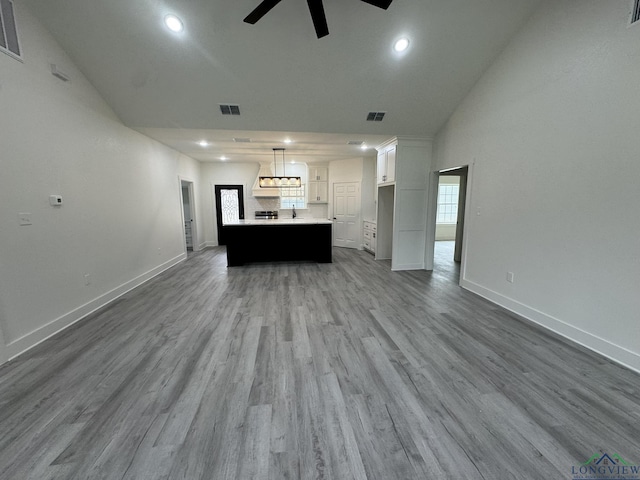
(551, 129)
(347, 170)
(189, 170)
(4, 356)
(369, 188)
(212, 174)
(120, 220)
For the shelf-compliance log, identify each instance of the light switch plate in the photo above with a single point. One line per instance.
(24, 219)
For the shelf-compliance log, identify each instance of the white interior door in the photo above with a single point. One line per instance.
(346, 215)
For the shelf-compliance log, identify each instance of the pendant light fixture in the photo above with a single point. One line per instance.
(276, 180)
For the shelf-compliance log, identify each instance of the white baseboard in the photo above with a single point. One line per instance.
(39, 335)
(613, 352)
(407, 266)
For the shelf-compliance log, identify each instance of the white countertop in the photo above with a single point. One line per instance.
(282, 221)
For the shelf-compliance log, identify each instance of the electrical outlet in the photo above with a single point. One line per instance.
(87, 279)
(510, 277)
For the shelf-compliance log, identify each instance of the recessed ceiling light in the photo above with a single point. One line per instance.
(363, 147)
(401, 45)
(203, 143)
(223, 158)
(173, 23)
(288, 140)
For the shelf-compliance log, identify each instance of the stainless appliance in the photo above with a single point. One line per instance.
(266, 214)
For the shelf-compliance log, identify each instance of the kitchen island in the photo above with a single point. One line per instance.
(278, 240)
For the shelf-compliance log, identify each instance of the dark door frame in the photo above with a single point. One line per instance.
(217, 189)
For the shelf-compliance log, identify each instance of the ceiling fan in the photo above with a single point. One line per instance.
(315, 7)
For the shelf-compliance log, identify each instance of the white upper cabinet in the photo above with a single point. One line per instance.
(387, 165)
(318, 185)
(318, 192)
(318, 174)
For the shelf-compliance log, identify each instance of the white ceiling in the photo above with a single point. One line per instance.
(285, 80)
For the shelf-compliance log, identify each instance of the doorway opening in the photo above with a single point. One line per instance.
(229, 207)
(187, 199)
(450, 198)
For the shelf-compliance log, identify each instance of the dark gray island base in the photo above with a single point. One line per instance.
(278, 241)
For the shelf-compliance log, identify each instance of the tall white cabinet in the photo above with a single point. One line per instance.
(318, 184)
(386, 165)
(403, 192)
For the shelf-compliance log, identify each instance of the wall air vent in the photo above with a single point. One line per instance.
(230, 109)
(375, 116)
(8, 30)
(242, 140)
(355, 142)
(635, 16)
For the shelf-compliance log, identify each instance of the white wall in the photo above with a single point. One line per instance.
(189, 170)
(120, 221)
(369, 188)
(361, 170)
(244, 174)
(349, 170)
(553, 130)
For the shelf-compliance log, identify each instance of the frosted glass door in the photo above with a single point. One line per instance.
(229, 207)
(230, 204)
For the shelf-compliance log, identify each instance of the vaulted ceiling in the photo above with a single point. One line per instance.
(287, 82)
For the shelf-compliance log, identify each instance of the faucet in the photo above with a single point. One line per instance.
(293, 211)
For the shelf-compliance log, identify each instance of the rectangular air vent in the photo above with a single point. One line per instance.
(355, 142)
(230, 109)
(375, 116)
(241, 140)
(8, 29)
(635, 16)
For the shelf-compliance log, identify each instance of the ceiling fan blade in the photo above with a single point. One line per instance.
(319, 19)
(379, 3)
(261, 10)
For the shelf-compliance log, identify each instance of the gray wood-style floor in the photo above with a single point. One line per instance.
(307, 371)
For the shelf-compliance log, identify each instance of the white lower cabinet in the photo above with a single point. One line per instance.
(370, 233)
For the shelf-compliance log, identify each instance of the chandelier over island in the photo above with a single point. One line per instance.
(277, 180)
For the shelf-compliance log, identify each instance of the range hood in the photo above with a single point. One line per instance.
(265, 171)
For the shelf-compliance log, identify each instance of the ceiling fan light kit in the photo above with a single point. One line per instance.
(316, 8)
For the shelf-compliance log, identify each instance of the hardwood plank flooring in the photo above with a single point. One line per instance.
(310, 371)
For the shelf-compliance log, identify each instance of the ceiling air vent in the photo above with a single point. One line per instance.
(230, 109)
(375, 116)
(8, 30)
(242, 140)
(635, 16)
(355, 142)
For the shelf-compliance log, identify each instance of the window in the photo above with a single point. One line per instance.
(292, 196)
(8, 31)
(447, 203)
